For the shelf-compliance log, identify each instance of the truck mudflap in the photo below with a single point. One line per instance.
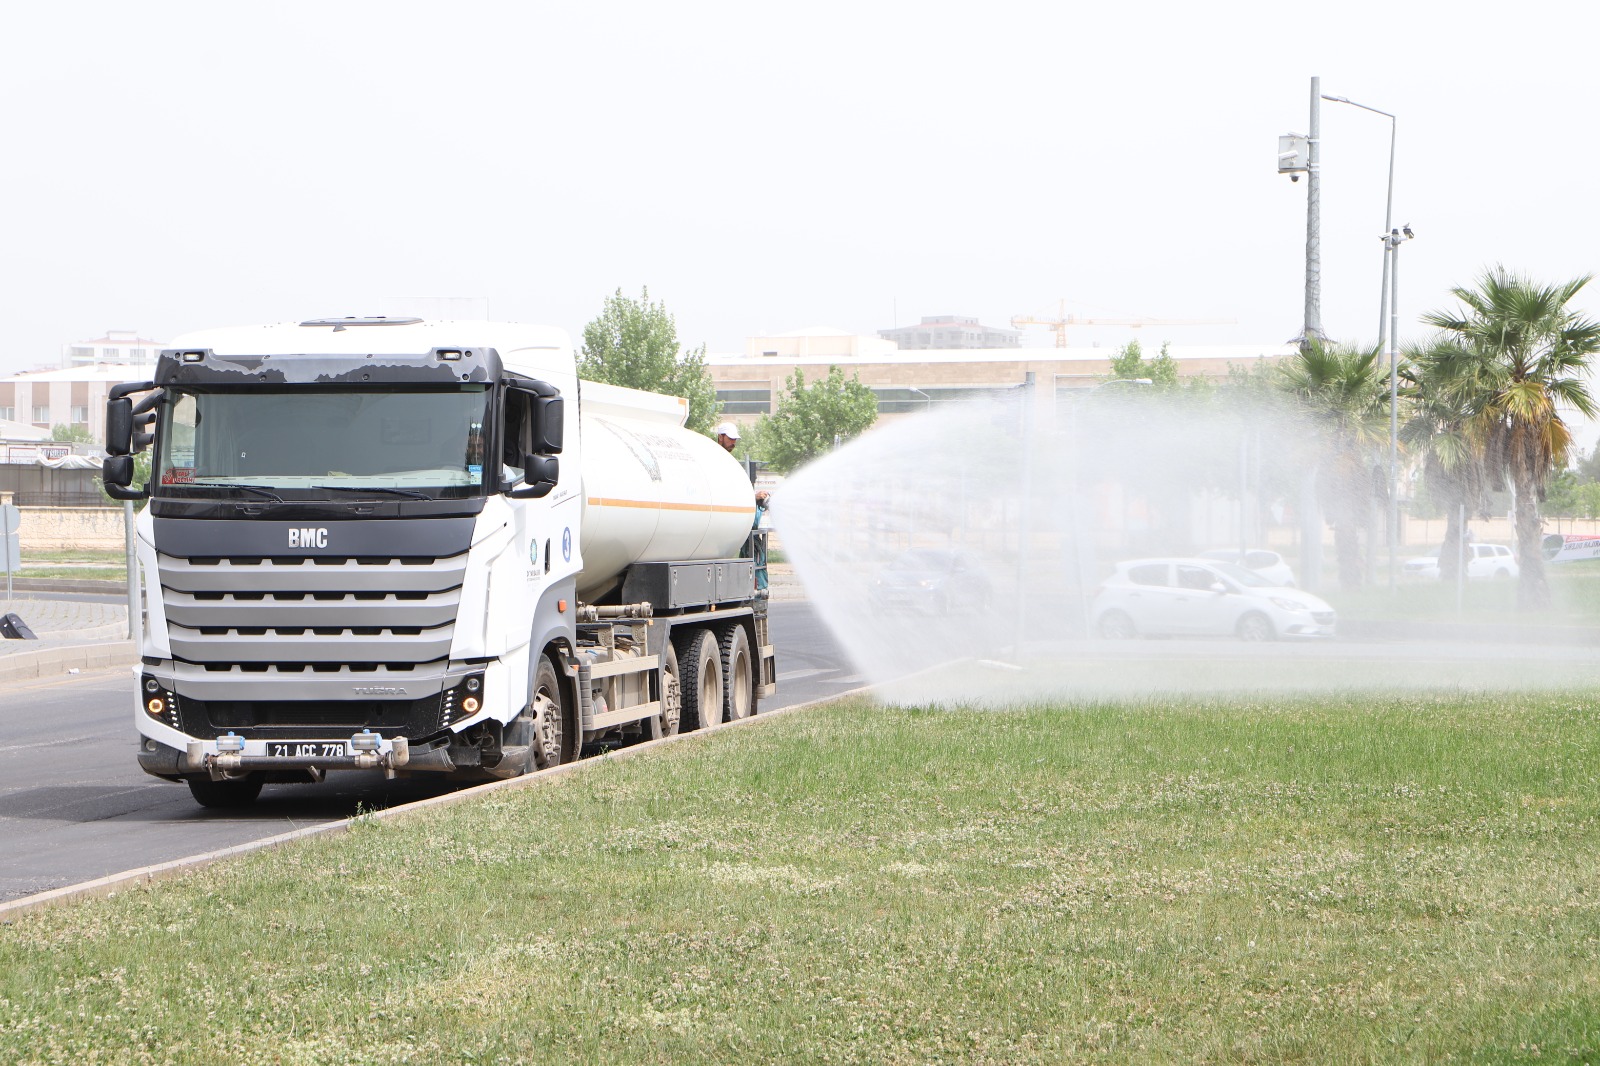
(230, 754)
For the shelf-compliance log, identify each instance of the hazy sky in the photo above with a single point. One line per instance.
(173, 166)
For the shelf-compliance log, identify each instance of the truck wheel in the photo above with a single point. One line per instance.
(552, 745)
(240, 793)
(666, 722)
(701, 666)
(738, 678)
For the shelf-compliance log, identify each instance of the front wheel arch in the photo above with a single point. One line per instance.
(1255, 627)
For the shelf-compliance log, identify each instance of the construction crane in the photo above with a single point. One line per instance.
(1061, 320)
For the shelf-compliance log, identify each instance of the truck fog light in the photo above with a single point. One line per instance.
(152, 685)
(230, 742)
(473, 684)
(156, 707)
(365, 741)
(470, 705)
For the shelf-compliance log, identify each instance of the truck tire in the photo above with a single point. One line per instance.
(224, 794)
(554, 740)
(667, 721)
(738, 675)
(700, 663)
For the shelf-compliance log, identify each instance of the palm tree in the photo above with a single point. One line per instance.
(1345, 391)
(1439, 394)
(1529, 358)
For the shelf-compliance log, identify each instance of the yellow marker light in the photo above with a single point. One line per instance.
(156, 707)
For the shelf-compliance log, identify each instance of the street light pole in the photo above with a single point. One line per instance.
(1388, 208)
(1388, 339)
(1312, 332)
(1391, 248)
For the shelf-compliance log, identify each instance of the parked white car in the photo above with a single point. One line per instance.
(1268, 564)
(1203, 597)
(1483, 561)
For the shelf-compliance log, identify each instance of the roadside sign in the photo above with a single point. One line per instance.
(10, 518)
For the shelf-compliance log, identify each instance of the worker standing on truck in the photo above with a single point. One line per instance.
(762, 500)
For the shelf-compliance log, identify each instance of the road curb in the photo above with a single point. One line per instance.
(147, 875)
(52, 659)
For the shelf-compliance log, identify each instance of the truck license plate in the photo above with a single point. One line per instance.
(307, 749)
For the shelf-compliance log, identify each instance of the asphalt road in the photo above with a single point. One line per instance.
(75, 806)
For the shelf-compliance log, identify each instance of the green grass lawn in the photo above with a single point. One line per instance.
(1574, 588)
(79, 556)
(1334, 880)
(75, 573)
(79, 564)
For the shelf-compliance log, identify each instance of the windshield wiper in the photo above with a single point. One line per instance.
(257, 489)
(415, 495)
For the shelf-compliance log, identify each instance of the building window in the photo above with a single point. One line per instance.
(109, 353)
(80, 416)
(83, 355)
(900, 401)
(745, 401)
(41, 415)
(8, 414)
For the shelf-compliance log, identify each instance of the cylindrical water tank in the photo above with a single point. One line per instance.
(653, 490)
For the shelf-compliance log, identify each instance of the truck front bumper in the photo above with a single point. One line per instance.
(232, 756)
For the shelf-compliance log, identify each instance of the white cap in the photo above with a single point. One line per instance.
(728, 429)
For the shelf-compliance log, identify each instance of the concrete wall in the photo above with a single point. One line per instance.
(58, 528)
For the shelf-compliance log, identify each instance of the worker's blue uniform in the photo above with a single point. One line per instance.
(760, 549)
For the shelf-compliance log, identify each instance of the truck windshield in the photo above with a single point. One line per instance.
(423, 442)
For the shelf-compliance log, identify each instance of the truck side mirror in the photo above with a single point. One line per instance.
(124, 420)
(116, 474)
(119, 430)
(541, 474)
(548, 429)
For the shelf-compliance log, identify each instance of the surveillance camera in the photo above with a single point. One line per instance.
(1294, 177)
(1408, 233)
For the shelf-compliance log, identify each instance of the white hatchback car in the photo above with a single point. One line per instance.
(1203, 597)
(1483, 561)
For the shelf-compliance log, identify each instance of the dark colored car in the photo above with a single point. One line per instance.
(933, 581)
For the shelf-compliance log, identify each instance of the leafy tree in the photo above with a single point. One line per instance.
(1570, 496)
(810, 419)
(1129, 364)
(1345, 393)
(1588, 465)
(1526, 358)
(71, 434)
(635, 343)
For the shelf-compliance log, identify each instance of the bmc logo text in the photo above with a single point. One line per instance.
(308, 537)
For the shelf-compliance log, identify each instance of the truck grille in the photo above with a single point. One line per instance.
(312, 720)
(311, 615)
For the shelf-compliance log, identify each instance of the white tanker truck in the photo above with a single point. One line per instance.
(423, 547)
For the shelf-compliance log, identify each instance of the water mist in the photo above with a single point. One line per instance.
(955, 554)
